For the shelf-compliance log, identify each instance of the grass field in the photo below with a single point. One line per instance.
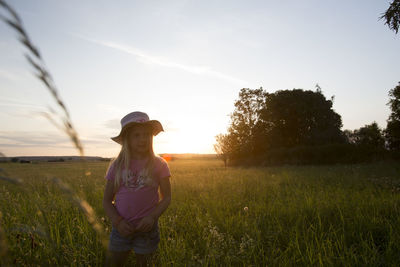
(290, 215)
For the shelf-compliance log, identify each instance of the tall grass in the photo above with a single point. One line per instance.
(327, 215)
(46, 215)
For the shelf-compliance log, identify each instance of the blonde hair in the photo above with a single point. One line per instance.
(123, 160)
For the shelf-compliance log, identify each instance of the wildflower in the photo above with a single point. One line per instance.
(246, 209)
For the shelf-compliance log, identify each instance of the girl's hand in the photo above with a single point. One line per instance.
(146, 224)
(125, 229)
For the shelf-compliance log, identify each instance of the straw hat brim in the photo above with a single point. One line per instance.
(155, 125)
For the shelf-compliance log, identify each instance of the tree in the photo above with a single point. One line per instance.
(369, 136)
(223, 147)
(349, 136)
(244, 120)
(299, 118)
(392, 131)
(392, 16)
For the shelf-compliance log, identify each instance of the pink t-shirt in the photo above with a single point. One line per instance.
(137, 195)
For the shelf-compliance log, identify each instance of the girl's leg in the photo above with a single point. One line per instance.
(117, 258)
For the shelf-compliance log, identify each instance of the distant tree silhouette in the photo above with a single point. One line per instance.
(223, 147)
(370, 136)
(392, 131)
(392, 16)
(349, 136)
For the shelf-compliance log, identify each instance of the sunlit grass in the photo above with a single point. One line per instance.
(290, 215)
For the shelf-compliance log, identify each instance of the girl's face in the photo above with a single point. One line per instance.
(139, 139)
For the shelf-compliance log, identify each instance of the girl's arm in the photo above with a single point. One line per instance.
(147, 222)
(122, 226)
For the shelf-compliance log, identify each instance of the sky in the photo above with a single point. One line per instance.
(183, 62)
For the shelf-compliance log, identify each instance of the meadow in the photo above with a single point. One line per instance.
(336, 215)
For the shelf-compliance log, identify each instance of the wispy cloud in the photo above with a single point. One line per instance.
(12, 102)
(161, 61)
(29, 139)
(14, 74)
(113, 109)
(112, 124)
(8, 75)
(43, 139)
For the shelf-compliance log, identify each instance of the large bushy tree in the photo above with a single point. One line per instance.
(299, 118)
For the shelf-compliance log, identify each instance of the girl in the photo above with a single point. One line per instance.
(134, 179)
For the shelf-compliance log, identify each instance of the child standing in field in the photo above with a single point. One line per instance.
(134, 180)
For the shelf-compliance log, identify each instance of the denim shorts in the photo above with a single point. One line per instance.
(140, 242)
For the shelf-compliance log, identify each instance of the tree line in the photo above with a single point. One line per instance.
(300, 127)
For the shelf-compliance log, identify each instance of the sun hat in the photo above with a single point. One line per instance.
(135, 118)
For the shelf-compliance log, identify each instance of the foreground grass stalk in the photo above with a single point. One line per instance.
(36, 61)
(64, 123)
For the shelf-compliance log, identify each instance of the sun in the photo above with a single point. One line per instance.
(191, 140)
